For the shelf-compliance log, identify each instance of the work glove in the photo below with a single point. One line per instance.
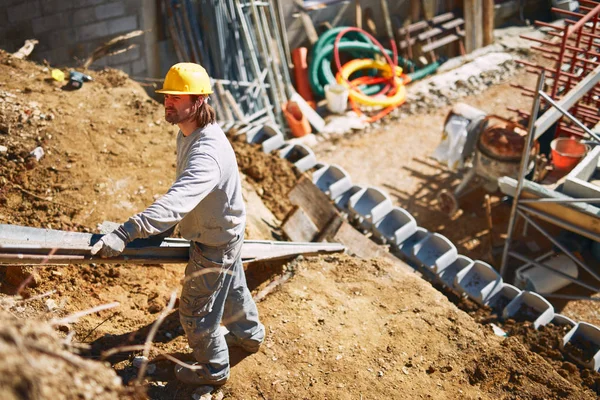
(112, 244)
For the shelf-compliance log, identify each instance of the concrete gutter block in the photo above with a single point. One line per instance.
(479, 281)
(333, 180)
(582, 344)
(300, 155)
(499, 300)
(530, 306)
(27, 10)
(48, 23)
(93, 31)
(368, 206)
(396, 226)
(406, 248)
(435, 253)
(562, 320)
(109, 10)
(122, 24)
(447, 275)
(83, 16)
(341, 202)
(268, 136)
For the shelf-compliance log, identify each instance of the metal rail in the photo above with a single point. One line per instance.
(21, 245)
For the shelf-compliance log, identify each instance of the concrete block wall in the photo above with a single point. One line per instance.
(69, 31)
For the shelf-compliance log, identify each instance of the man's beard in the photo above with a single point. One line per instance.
(172, 117)
(175, 118)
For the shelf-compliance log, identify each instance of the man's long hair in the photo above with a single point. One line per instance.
(204, 114)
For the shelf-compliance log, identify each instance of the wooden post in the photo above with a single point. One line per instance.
(473, 31)
(358, 10)
(488, 22)
(415, 10)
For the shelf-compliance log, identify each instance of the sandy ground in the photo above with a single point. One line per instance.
(342, 327)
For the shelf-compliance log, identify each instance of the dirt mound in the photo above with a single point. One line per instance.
(37, 365)
(272, 176)
(349, 327)
(546, 341)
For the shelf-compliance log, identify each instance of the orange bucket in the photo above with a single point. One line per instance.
(567, 152)
(296, 120)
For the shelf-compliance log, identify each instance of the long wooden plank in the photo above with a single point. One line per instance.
(314, 202)
(361, 246)
(441, 42)
(298, 227)
(583, 216)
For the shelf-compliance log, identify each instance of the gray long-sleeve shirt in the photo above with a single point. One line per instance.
(206, 197)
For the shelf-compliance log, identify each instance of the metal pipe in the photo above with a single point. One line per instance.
(279, 80)
(569, 297)
(559, 245)
(282, 55)
(253, 59)
(568, 115)
(522, 170)
(264, 55)
(549, 200)
(283, 33)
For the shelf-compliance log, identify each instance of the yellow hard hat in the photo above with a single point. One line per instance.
(186, 78)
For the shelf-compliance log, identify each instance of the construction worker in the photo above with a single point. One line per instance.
(206, 201)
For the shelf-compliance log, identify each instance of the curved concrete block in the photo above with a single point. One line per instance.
(269, 136)
(396, 226)
(562, 320)
(332, 180)
(499, 300)
(529, 306)
(407, 246)
(300, 155)
(447, 275)
(435, 253)
(582, 343)
(342, 201)
(479, 281)
(368, 206)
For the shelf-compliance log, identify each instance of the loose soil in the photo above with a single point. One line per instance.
(341, 327)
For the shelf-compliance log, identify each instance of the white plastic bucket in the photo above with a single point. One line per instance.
(542, 280)
(337, 98)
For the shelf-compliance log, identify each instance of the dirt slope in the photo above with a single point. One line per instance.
(340, 328)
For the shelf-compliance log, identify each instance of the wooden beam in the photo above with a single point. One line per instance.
(358, 11)
(415, 10)
(359, 245)
(488, 22)
(298, 227)
(315, 204)
(473, 30)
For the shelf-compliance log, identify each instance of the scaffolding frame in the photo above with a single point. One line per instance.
(521, 207)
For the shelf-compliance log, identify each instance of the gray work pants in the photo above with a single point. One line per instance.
(215, 291)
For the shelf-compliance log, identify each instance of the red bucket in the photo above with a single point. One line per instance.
(566, 153)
